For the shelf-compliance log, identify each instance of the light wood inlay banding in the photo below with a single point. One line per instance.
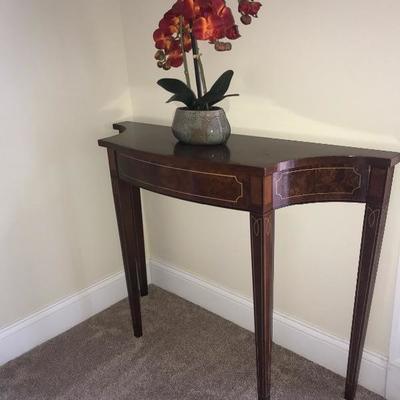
(317, 181)
(198, 184)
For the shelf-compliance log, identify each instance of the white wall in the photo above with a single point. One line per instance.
(63, 81)
(311, 70)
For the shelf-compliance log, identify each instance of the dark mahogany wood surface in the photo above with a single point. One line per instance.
(258, 175)
(243, 150)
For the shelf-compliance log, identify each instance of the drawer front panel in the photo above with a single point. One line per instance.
(320, 183)
(208, 187)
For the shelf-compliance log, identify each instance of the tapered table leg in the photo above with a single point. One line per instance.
(262, 253)
(124, 203)
(372, 235)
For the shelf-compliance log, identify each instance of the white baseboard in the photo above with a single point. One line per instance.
(299, 337)
(294, 335)
(28, 333)
(393, 374)
(393, 381)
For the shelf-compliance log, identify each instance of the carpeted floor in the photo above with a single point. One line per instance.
(186, 353)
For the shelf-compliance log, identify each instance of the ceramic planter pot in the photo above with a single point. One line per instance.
(196, 127)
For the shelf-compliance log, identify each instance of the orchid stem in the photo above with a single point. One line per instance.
(202, 75)
(196, 65)
(185, 63)
(203, 78)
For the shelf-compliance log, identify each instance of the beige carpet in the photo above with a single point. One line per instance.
(186, 353)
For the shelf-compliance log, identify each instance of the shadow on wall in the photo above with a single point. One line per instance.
(334, 62)
(260, 116)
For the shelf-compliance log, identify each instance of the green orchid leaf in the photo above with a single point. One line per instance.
(183, 98)
(220, 99)
(218, 90)
(221, 85)
(172, 85)
(181, 92)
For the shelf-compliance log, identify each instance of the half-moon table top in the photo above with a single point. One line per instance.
(241, 150)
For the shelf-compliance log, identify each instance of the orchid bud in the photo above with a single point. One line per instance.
(219, 46)
(222, 46)
(228, 46)
(246, 19)
(167, 65)
(159, 55)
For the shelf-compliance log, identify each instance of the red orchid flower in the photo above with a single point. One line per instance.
(174, 55)
(249, 7)
(161, 39)
(178, 32)
(210, 20)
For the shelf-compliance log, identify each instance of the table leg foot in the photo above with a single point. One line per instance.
(350, 392)
(265, 397)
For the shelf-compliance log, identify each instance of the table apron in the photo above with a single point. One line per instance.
(225, 189)
(347, 183)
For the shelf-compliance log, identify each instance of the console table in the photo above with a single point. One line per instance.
(258, 175)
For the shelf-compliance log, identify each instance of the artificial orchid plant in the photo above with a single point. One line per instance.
(178, 33)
